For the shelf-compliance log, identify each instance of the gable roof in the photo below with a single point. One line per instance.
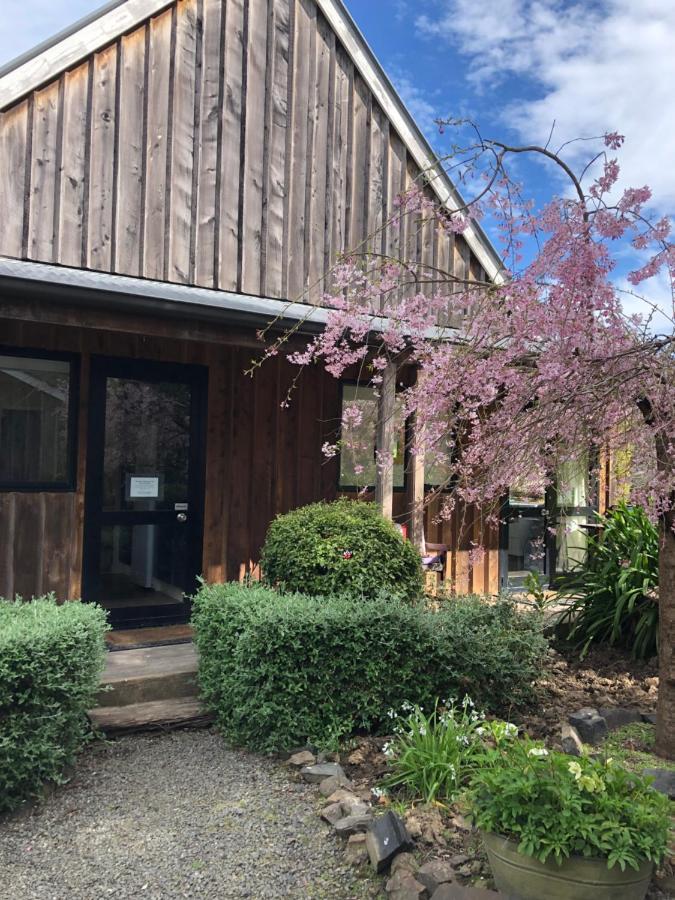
(68, 48)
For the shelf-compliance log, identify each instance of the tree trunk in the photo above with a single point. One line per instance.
(665, 712)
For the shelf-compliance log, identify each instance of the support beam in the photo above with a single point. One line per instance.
(415, 487)
(386, 441)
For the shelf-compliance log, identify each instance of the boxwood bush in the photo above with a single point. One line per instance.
(280, 670)
(341, 547)
(51, 659)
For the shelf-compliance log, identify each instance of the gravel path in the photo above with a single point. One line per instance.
(174, 816)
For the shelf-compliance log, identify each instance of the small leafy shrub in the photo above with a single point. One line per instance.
(279, 670)
(554, 806)
(615, 594)
(345, 547)
(432, 757)
(51, 659)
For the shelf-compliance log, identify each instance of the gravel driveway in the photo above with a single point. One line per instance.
(171, 816)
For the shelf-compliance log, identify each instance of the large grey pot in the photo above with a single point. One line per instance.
(522, 877)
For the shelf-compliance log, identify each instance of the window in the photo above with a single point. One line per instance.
(574, 512)
(357, 457)
(36, 422)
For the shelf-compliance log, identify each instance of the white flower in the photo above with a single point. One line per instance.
(388, 750)
(423, 730)
(480, 731)
(575, 769)
(510, 730)
(378, 792)
(391, 713)
(537, 751)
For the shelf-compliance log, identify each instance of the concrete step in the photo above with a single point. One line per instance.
(173, 713)
(148, 675)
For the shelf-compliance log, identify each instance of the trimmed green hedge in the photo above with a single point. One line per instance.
(280, 670)
(51, 659)
(344, 547)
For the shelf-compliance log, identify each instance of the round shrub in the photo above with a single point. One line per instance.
(339, 548)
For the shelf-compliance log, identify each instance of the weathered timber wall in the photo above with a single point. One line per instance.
(229, 144)
(260, 459)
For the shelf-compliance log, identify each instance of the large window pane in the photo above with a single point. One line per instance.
(147, 439)
(34, 403)
(572, 515)
(357, 457)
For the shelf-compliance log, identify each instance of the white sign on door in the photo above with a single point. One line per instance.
(144, 486)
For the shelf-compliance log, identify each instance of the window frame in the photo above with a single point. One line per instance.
(69, 484)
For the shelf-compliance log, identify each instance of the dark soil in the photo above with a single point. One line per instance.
(605, 677)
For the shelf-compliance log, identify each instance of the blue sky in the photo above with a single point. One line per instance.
(515, 66)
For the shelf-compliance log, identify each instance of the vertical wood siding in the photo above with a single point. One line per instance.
(230, 144)
(260, 460)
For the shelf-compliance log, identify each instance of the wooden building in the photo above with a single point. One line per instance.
(175, 175)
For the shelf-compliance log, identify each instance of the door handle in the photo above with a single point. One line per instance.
(181, 517)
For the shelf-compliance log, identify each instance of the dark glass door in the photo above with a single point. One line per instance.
(145, 488)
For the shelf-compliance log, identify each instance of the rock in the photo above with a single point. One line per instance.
(351, 824)
(329, 785)
(404, 862)
(435, 873)
(589, 723)
(649, 717)
(342, 795)
(617, 716)
(385, 838)
(332, 813)
(356, 852)
(458, 860)
(303, 758)
(664, 781)
(570, 741)
(404, 886)
(315, 774)
(357, 809)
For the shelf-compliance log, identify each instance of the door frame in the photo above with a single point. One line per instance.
(196, 377)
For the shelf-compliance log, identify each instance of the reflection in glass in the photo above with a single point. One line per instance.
(527, 542)
(147, 439)
(143, 565)
(34, 397)
(357, 458)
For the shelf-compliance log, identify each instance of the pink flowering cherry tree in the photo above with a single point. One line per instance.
(515, 379)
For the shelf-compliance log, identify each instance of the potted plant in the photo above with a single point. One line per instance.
(565, 828)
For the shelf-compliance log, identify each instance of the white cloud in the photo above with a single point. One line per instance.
(420, 107)
(606, 66)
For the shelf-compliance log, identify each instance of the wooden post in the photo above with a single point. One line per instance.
(415, 487)
(385, 441)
